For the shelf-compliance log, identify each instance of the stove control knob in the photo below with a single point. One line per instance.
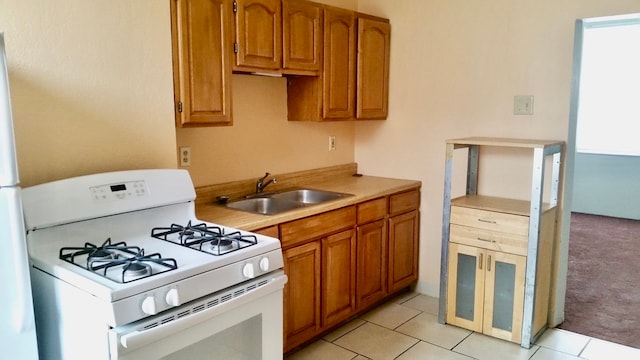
(149, 305)
(173, 298)
(248, 271)
(264, 264)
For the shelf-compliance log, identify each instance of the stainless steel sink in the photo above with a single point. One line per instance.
(284, 201)
(264, 205)
(309, 196)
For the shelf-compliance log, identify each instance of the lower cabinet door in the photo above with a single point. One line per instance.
(371, 284)
(301, 293)
(465, 286)
(338, 277)
(485, 291)
(403, 250)
(504, 295)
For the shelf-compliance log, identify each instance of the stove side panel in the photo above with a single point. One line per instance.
(69, 322)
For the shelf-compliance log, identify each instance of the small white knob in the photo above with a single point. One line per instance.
(149, 305)
(248, 271)
(173, 298)
(264, 264)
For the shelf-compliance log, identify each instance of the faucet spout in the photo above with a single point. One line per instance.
(261, 184)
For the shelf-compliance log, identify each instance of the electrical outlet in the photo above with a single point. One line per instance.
(523, 105)
(332, 142)
(185, 156)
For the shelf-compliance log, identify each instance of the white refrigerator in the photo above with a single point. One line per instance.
(17, 324)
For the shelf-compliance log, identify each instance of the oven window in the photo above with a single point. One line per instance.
(242, 341)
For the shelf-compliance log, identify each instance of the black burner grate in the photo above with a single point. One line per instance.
(206, 238)
(118, 257)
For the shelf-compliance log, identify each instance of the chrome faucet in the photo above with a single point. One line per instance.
(260, 185)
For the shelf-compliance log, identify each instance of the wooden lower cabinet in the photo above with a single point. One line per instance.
(344, 261)
(486, 291)
(320, 291)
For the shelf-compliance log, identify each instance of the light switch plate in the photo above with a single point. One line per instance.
(523, 105)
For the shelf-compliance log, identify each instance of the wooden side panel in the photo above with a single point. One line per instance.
(544, 267)
(374, 38)
(202, 61)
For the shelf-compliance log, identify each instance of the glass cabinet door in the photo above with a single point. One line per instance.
(504, 297)
(466, 286)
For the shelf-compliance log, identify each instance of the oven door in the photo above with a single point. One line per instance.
(243, 322)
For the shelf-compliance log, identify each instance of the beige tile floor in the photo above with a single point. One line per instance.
(406, 328)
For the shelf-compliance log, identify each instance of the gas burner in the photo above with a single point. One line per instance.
(221, 245)
(206, 238)
(117, 262)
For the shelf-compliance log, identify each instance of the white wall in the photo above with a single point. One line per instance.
(91, 85)
(455, 67)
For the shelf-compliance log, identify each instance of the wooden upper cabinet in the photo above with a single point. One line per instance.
(201, 41)
(373, 69)
(302, 35)
(258, 34)
(339, 64)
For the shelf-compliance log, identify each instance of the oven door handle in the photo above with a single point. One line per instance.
(139, 338)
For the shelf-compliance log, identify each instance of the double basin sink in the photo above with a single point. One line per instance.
(276, 203)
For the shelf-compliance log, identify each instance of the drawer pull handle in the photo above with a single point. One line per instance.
(487, 221)
(487, 240)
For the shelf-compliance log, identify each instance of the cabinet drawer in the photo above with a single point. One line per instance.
(487, 239)
(269, 231)
(403, 202)
(372, 210)
(312, 227)
(490, 220)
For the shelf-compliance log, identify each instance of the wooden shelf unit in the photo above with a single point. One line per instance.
(532, 238)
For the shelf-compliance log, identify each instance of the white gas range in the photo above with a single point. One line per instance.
(122, 267)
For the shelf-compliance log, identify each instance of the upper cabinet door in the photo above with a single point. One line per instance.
(258, 34)
(339, 64)
(302, 35)
(201, 41)
(373, 69)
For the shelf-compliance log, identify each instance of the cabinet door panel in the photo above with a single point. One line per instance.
(465, 292)
(371, 263)
(373, 69)
(338, 277)
(259, 34)
(302, 34)
(339, 64)
(403, 250)
(302, 293)
(504, 295)
(202, 67)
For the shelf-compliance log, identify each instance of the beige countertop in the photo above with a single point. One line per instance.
(363, 188)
